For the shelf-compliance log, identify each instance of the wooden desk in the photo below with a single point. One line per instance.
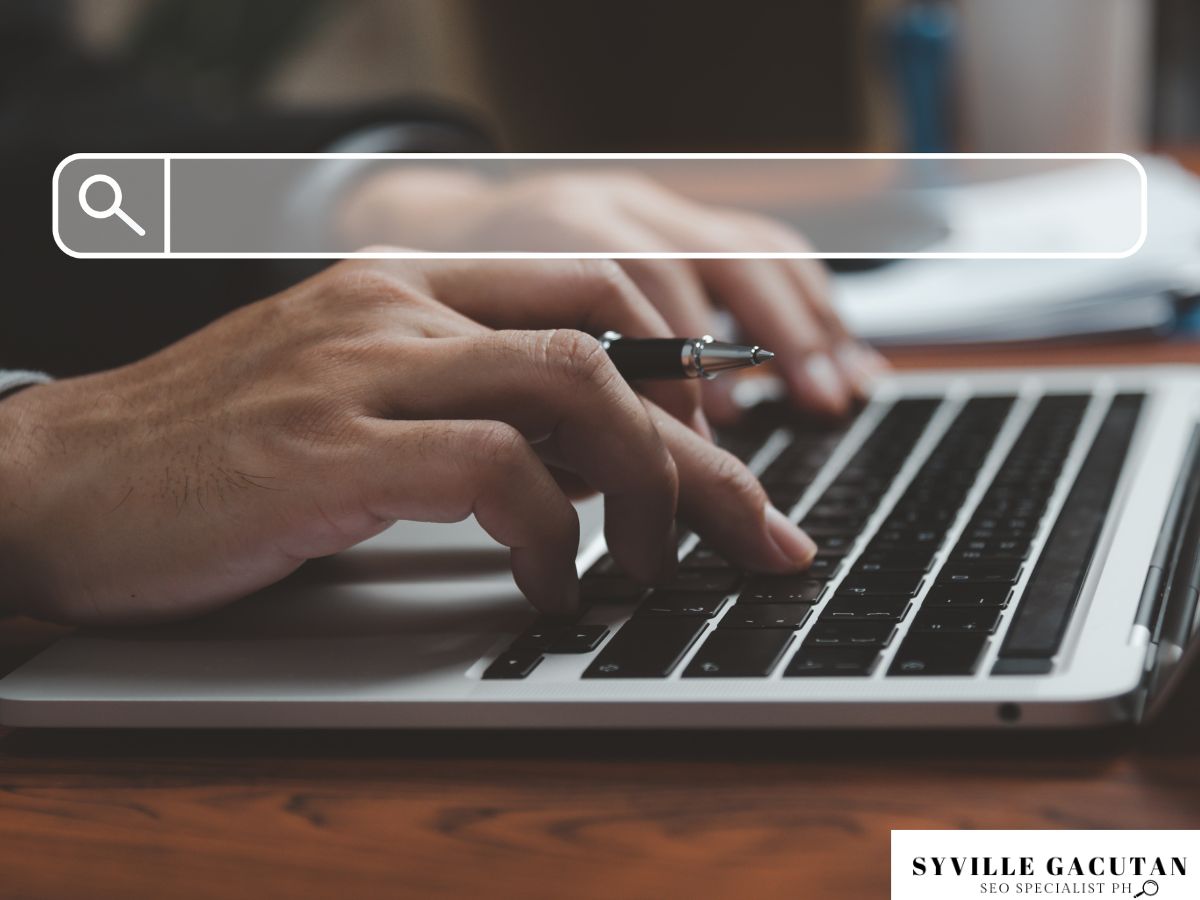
(254, 815)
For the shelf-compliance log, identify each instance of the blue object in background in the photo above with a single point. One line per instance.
(920, 39)
(1188, 322)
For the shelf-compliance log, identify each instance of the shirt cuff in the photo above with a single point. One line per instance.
(13, 380)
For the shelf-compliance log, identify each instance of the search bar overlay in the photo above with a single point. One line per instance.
(848, 206)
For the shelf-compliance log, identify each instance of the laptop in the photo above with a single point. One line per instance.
(998, 549)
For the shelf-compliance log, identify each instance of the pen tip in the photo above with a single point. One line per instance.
(761, 356)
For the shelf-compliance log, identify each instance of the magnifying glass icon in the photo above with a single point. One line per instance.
(112, 210)
(1149, 889)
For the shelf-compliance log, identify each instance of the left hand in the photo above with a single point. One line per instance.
(781, 304)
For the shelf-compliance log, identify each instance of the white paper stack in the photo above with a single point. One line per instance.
(969, 300)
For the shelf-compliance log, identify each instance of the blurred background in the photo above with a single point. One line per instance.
(599, 75)
(642, 76)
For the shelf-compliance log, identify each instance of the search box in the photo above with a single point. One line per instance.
(849, 206)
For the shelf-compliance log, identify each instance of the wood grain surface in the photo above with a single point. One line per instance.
(611, 815)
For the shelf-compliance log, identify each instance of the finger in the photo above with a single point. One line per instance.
(557, 388)
(764, 302)
(571, 484)
(859, 363)
(725, 504)
(447, 471)
(720, 399)
(762, 297)
(673, 286)
(589, 295)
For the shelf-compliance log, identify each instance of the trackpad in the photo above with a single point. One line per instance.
(411, 610)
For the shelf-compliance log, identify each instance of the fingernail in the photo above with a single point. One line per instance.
(861, 365)
(822, 378)
(700, 425)
(794, 545)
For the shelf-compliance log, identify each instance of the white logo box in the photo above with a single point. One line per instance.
(950, 865)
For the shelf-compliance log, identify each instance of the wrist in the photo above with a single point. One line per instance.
(19, 431)
(425, 208)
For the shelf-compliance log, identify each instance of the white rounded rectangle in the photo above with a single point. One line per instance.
(847, 205)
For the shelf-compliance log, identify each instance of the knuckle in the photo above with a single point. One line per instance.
(578, 356)
(606, 283)
(604, 276)
(567, 196)
(310, 421)
(366, 284)
(729, 476)
(499, 445)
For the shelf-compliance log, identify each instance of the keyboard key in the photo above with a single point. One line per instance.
(975, 557)
(850, 634)
(905, 584)
(1015, 665)
(1049, 599)
(821, 534)
(704, 580)
(851, 493)
(923, 518)
(610, 589)
(703, 557)
(876, 561)
(854, 506)
(580, 639)
(985, 595)
(832, 661)
(782, 589)
(513, 664)
(688, 604)
(824, 566)
(541, 634)
(767, 615)
(835, 545)
(784, 496)
(605, 565)
(734, 653)
(980, 573)
(956, 620)
(866, 609)
(925, 653)
(815, 525)
(646, 647)
(906, 539)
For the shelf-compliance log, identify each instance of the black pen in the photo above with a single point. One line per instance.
(702, 357)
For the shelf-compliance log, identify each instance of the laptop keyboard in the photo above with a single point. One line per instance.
(881, 597)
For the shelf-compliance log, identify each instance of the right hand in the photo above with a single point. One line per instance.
(310, 421)
(783, 304)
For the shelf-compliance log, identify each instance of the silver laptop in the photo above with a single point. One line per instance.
(998, 549)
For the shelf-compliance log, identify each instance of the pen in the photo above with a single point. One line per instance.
(702, 357)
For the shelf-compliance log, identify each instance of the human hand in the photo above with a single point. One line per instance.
(782, 304)
(310, 421)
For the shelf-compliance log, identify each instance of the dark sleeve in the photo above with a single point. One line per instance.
(69, 316)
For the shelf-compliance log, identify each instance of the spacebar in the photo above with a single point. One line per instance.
(1054, 588)
(646, 647)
